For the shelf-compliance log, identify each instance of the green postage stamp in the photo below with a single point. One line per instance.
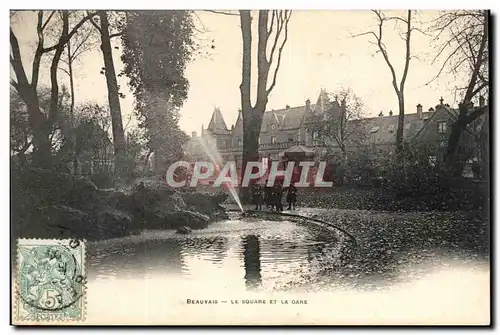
(49, 286)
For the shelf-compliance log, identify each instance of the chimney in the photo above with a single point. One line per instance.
(232, 127)
(431, 109)
(381, 113)
(193, 134)
(390, 112)
(308, 104)
(419, 111)
(287, 106)
(481, 101)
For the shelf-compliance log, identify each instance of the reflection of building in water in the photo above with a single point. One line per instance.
(251, 255)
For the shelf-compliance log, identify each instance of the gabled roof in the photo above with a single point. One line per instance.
(217, 124)
(382, 129)
(284, 119)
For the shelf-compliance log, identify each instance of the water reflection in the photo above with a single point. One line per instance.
(251, 256)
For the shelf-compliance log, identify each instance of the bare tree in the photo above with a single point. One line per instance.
(341, 124)
(40, 122)
(273, 35)
(79, 44)
(398, 86)
(462, 40)
(113, 89)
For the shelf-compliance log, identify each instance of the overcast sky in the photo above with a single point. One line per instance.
(320, 53)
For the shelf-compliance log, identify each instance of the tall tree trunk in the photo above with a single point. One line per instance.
(451, 160)
(42, 155)
(401, 122)
(485, 148)
(113, 97)
(72, 109)
(250, 148)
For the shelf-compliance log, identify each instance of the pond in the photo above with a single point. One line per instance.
(218, 276)
(237, 254)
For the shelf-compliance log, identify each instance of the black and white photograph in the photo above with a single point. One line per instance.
(250, 167)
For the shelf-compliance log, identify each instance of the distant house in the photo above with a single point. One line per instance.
(285, 128)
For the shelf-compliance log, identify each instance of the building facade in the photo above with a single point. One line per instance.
(285, 128)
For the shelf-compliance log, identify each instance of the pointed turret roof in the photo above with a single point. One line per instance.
(322, 100)
(217, 124)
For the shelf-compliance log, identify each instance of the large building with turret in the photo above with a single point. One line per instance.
(286, 128)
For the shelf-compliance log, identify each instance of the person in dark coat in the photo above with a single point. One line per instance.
(257, 196)
(268, 190)
(291, 196)
(278, 196)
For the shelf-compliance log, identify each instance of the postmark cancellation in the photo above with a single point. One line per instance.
(50, 281)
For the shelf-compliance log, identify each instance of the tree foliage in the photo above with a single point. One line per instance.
(157, 46)
(341, 124)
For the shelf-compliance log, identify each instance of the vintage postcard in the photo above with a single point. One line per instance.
(250, 167)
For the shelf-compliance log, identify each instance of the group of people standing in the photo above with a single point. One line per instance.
(272, 196)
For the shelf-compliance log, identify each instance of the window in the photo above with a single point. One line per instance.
(432, 160)
(374, 129)
(222, 143)
(273, 127)
(240, 142)
(273, 139)
(392, 128)
(442, 127)
(290, 139)
(315, 135)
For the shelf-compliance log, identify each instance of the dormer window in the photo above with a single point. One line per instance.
(392, 128)
(442, 127)
(374, 129)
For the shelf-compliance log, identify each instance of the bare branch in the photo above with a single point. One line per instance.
(64, 70)
(70, 34)
(48, 19)
(280, 51)
(95, 25)
(38, 52)
(366, 33)
(14, 83)
(116, 34)
(407, 58)
(279, 27)
(16, 61)
(221, 12)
